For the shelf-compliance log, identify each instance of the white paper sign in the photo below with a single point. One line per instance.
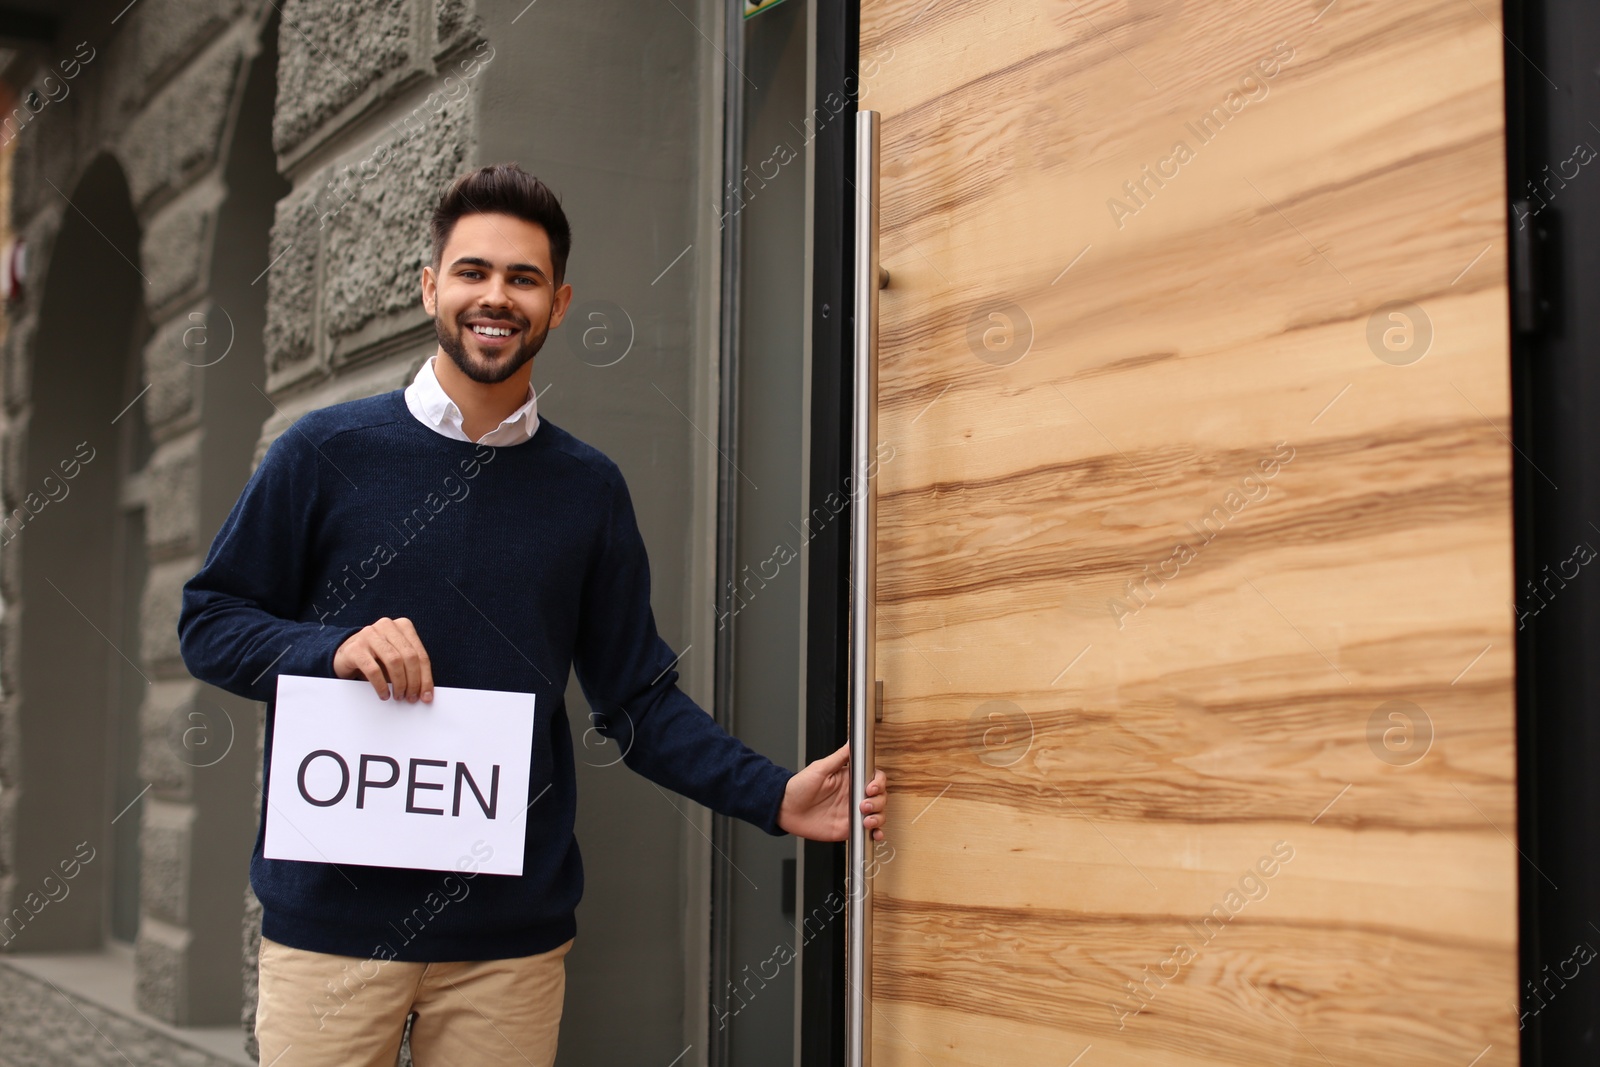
(358, 779)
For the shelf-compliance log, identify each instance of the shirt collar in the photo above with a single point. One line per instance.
(441, 410)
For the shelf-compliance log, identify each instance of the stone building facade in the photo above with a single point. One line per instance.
(224, 209)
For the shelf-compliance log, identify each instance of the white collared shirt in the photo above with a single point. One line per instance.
(434, 409)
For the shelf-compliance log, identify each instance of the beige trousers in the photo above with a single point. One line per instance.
(320, 1010)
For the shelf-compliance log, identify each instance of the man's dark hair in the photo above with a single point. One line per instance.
(504, 188)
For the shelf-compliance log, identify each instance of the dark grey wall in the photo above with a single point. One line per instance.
(232, 371)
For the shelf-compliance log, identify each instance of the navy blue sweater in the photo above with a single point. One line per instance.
(514, 564)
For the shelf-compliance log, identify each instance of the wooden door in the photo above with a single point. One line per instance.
(1195, 546)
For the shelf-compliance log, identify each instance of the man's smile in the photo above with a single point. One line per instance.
(492, 333)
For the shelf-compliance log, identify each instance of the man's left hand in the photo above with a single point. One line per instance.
(816, 804)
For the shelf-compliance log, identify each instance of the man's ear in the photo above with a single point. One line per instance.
(559, 306)
(430, 291)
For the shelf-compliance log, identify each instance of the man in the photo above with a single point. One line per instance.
(446, 532)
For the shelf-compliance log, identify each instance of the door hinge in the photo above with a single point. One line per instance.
(1532, 233)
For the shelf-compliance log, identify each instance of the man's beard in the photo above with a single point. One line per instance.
(495, 369)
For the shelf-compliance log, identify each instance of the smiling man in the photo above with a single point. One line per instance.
(541, 570)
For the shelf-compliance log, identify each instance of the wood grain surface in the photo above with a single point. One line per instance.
(1195, 548)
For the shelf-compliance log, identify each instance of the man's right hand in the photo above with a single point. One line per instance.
(387, 653)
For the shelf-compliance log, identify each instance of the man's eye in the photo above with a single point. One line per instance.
(530, 281)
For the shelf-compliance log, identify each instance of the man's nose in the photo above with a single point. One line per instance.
(496, 295)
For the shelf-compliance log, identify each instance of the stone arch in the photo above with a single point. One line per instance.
(206, 370)
(181, 197)
(211, 358)
(80, 683)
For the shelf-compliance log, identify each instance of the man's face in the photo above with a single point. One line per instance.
(493, 299)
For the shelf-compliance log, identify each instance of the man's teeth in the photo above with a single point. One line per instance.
(492, 331)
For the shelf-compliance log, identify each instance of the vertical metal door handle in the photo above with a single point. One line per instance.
(863, 631)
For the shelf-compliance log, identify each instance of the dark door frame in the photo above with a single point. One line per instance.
(1553, 230)
(822, 982)
(821, 976)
